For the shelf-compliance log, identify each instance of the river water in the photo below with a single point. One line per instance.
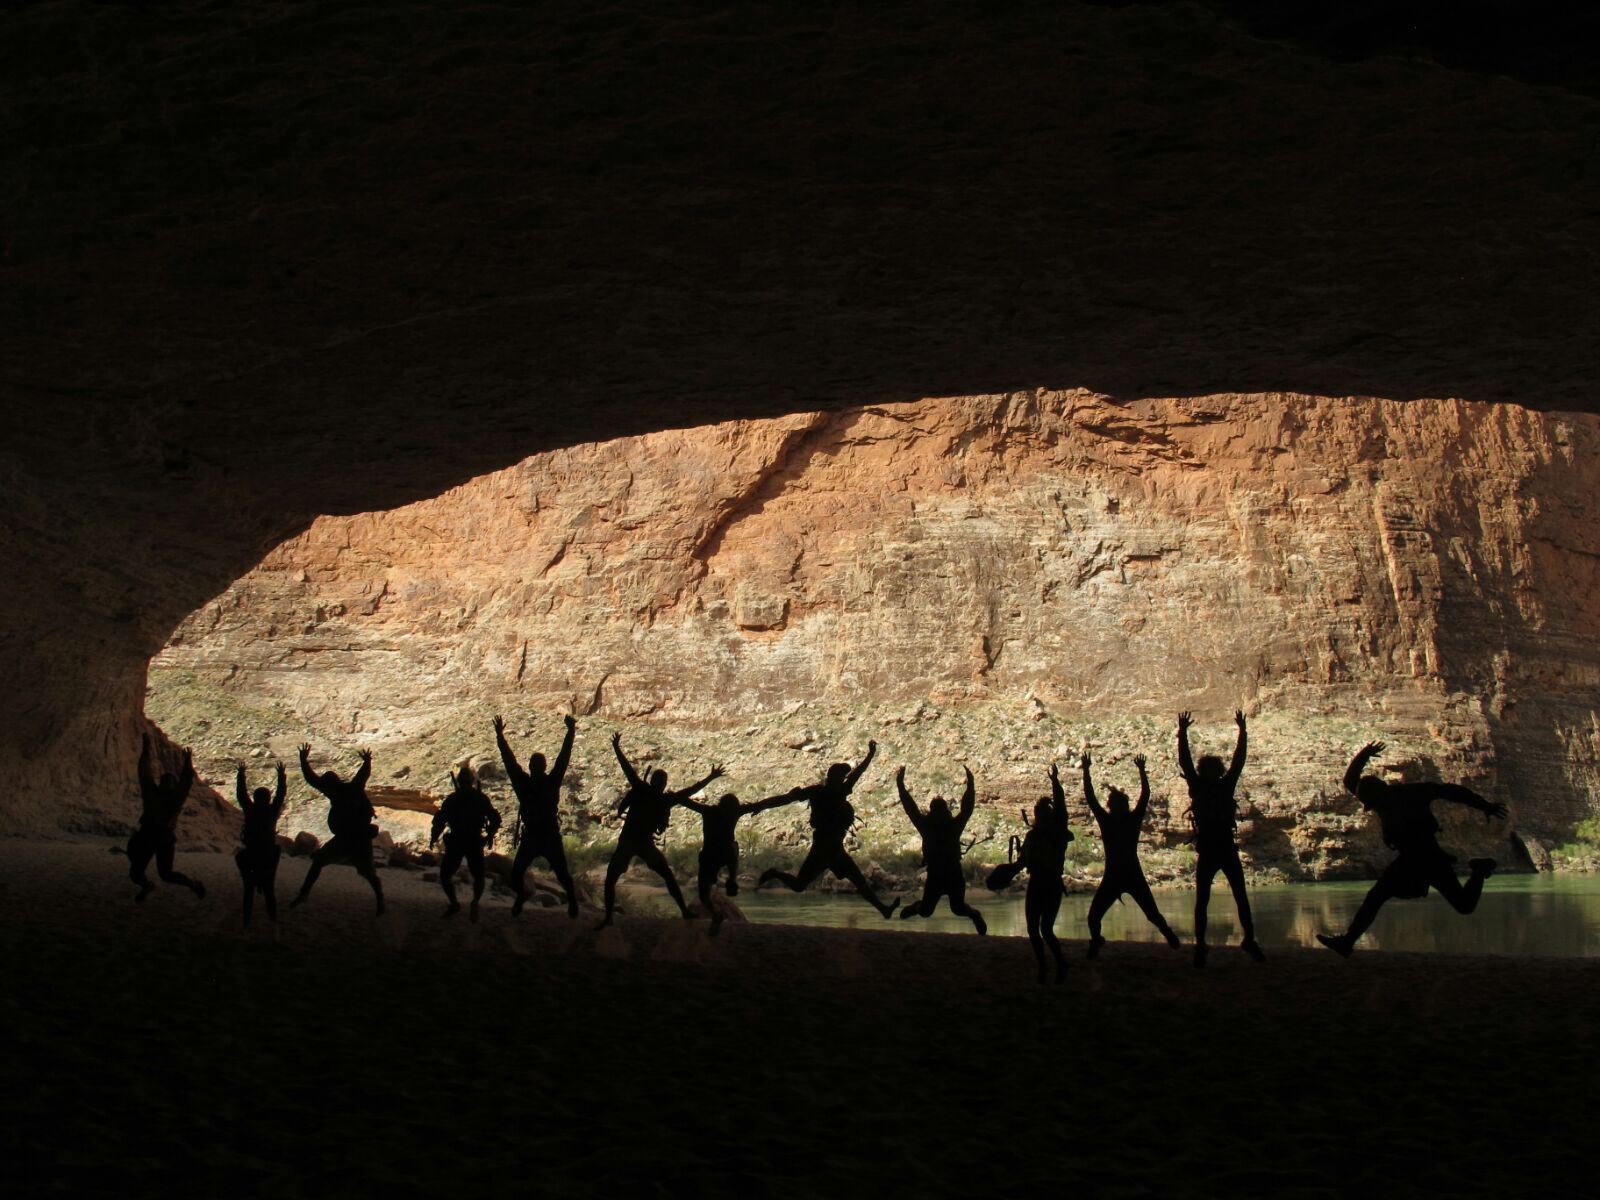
(1556, 915)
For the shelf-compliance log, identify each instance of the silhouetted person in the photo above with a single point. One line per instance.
(719, 848)
(1119, 835)
(832, 815)
(157, 836)
(259, 852)
(349, 820)
(1214, 813)
(647, 807)
(469, 823)
(941, 852)
(1410, 829)
(537, 833)
(1043, 854)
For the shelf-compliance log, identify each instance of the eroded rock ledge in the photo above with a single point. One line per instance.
(998, 578)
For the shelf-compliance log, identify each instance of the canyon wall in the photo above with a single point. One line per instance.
(999, 579)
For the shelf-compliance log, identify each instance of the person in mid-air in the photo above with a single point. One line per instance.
(157, 834)
(349, 820)
(1215, 815)
(1043, 854)
(538, 827)
(941, 852)
(1411, 830)
(1119, 834)
(259, 852)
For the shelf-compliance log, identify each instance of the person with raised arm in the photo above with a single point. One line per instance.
(941, 852)
(349, 820)
(646, 808)
(468, 822)
(1405, 811)
(1214, 812)
(1119, 835)
(537, 832)
(1043, 855)
(832, 815)
(719, 848)
(161, 800)
(259, 852)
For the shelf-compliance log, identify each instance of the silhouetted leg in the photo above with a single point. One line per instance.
(1233, 871)
(448, 866)
(1139, 889)
(323, 855)
(957, 896)
(1032, 908)
(519, 871)
(924, 907)
(556, 856)
(1104, 897)
(816, 862)
(362, 861)
(652, 857)
(1375, 898)
(140, 851)
(1049, 905)
(165, 849)
(1205, 872)
(241, 859)
(732, 887)
(1462, 898)
(269, 883)
(474, 854)
(705, 881)
(845, 868)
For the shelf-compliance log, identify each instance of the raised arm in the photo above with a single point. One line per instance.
(514, 770)
(682, 794)
(969, 800)
(1057, 792)
(147, 781)
(622, 760)
(1358, 764)
(282, 792)
(364, 771)
(906, 802)
(305, 767)
(1237, 765)
(861, 769)
(186, 776)
(1144, 788)
(559, 771)
(239, 790)
(1185, 762)
(1088, 786)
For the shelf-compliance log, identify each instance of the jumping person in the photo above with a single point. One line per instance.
(1119, 835)
(259, 852)
(469, 823)
(1043, 854)
(537, 832)
(719, 848)
(1410, 828)
(941, 852)
(832, 815)
(349, 820)
(647, 807)
(1214, 814)
(157, 836)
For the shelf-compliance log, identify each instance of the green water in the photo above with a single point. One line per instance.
(1557, 915)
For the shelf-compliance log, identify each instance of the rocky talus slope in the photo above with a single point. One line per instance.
(996, 579)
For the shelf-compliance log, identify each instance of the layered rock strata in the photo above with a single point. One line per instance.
(1001, 579)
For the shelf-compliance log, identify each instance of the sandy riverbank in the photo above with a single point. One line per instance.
(159, 1047)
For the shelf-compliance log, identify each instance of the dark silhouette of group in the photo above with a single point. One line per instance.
(468, 823)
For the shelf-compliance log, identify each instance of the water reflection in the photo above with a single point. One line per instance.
(1520, 915)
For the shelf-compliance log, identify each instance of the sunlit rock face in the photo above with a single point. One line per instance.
(1002, 579)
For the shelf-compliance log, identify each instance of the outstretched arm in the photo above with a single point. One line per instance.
(559, 771)
(861, 768)
(683, 794)
(1144, 788)
(282, 792)
(1358, 764)
(364, 771)
(705, 810)
(514, 770)
(969, 800)
(906, 802)
(240, 791)
(1453, 793)
(1237, 765)
(622, 760)
(1185, 762)
(1088, 787)
(793, 796)
(305, 766)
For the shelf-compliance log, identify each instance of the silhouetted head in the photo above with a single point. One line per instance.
(261, 796)
(838, 773)
(1117, 801)
(658, 780)
(1041, 809)
(729, 802)
(536, 765)
(1210, 767)
(939, 811)
(465, 778)
(1369, 790)
(168, 783)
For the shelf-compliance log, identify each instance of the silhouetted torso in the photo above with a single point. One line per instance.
(1119, 835)
(350, 813)
(467, 814)
(161, 805)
